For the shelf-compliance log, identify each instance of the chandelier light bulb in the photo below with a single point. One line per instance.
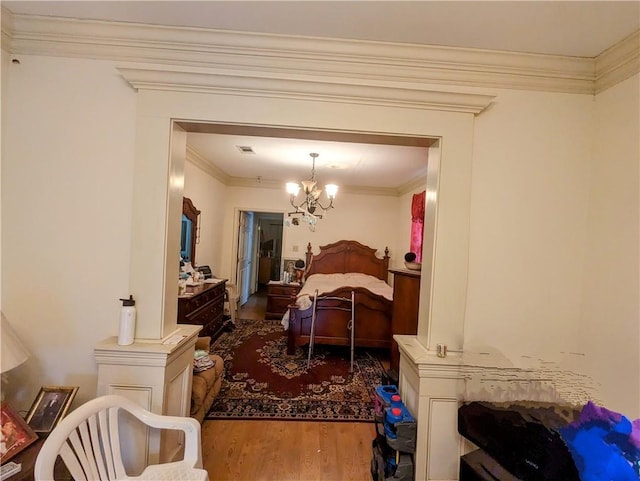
(331, 190)
(293, 188)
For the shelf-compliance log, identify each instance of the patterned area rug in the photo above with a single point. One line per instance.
(262, 382)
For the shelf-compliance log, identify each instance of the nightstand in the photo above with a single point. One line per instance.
(279, 296)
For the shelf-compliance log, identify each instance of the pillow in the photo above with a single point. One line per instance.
(604, 444)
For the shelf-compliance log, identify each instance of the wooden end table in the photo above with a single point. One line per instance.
(27, 458)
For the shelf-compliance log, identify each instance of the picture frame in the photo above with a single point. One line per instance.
(288, 266)
(15, 433)
(49, 407)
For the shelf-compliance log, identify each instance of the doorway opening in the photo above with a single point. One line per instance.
(259, 251)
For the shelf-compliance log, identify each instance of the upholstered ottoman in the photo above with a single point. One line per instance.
(206, 384)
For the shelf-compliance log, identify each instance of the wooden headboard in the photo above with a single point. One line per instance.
(347, 256)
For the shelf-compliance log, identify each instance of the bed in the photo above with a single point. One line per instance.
(373, 307)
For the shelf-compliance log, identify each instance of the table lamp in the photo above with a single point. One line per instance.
(13, 351)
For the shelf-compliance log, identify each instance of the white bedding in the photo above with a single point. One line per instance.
(329, 282)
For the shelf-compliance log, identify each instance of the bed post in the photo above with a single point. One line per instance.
(294, 330)
(309, 255)
(386, 264)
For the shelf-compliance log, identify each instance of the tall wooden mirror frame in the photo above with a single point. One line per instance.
(190, 211)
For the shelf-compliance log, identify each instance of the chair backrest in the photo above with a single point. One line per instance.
(88, 439)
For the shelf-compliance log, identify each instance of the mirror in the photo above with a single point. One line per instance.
(189, 231)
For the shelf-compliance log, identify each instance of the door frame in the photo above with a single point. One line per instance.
(244, 244)
(243, 293)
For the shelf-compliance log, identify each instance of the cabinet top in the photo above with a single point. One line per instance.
(281, 283)
(405, 272)
(200, 288)
(146, 352)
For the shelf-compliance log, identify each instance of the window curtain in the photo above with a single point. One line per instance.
(417, 224)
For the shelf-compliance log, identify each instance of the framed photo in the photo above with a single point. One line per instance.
(50, 406)
(288, 270)
(15, 433)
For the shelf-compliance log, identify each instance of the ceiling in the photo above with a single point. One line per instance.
(573, 28)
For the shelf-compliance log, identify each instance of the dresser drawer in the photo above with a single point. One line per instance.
(206, 314)
(204, 308)
(198, 300)
(282, 290)
(279, 296)
(215, 292)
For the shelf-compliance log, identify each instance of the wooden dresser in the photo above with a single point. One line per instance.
(279, 296)
(264, 269)
(406, 300)
(204, 305)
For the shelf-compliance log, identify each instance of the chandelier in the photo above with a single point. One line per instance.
(309, 209)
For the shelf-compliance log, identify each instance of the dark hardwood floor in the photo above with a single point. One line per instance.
(255, 307)
(285, 450)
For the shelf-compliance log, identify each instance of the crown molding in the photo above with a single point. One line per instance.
(6, 28)
(418, 182)
(189, 79)
(256, 182)
(364, 190)
(252, 182)
(618, 62)
(200, 161)
(348, 60)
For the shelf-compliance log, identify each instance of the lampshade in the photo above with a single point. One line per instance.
(13, 352)
(331, 189)
(293, 188)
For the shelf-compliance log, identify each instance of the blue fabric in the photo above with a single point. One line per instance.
(601, 445)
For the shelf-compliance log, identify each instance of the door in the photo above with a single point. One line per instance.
(244, 255)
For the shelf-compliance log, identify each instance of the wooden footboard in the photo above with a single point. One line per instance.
(373, 322)
(372, 311)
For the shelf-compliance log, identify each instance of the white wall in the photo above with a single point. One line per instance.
(368, 219)
(67, 184)
(209, 196)
(554, 265)
(531, 172)
(66, 212)
(609, 321)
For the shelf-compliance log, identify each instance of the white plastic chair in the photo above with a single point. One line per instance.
(88, 441)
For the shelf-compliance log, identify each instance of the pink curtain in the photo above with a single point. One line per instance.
(417, 224)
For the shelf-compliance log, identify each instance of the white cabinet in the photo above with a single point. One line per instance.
(157, 376)
(430, 388)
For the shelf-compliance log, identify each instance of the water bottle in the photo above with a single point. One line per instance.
(127, 321)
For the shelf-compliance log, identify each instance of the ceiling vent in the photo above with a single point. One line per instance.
(245, 149)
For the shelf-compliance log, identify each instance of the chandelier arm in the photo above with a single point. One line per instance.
(299, 206)
(304, 213)
(307, 208)
(330, 206)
